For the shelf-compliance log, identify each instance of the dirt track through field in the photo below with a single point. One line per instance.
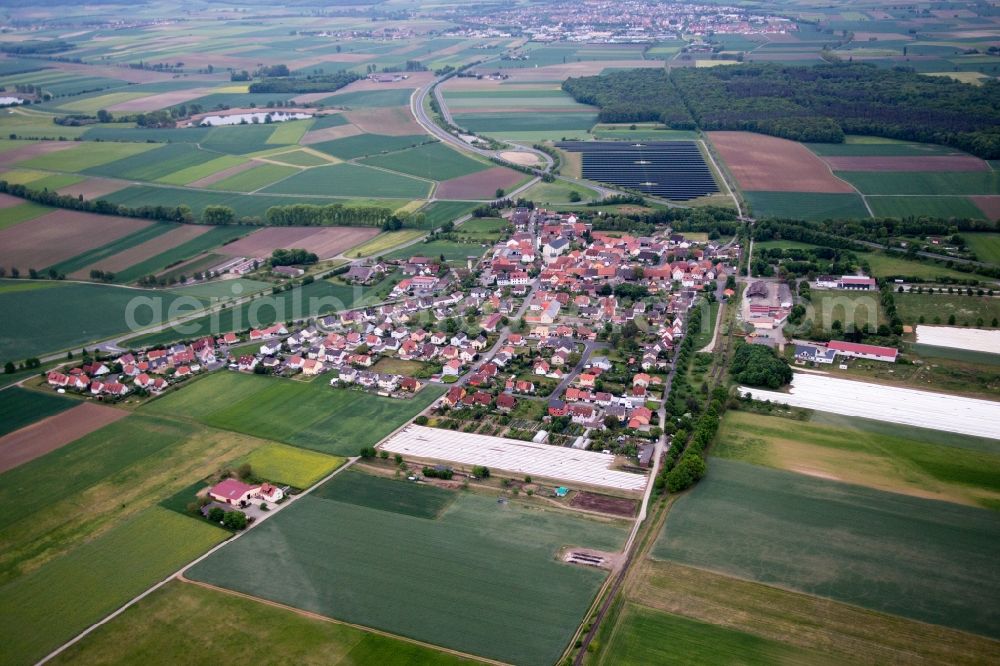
(49, 434)
(769, 164)
(59, 235)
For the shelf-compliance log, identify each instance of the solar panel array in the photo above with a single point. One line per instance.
(669, 169)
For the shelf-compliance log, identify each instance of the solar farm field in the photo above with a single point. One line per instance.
(254, 629)
(773, 526)
(354, 569)
(308, 414)
(672, 170)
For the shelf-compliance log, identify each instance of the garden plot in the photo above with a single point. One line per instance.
(974, 339)
(938, 411)
(553, 462)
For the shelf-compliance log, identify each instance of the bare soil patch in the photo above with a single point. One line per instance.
(990, 205)
(520, 157)
(479, 185)
(123, 73)
(616, 506)
(6, 201)
(911, 164)
(329, 134)
(324, 241)
(49, 434)
(770, 164)
(393, 120)
(161, 100)
(94, 188)
(60, 235)
(143, 251)
(15, 155)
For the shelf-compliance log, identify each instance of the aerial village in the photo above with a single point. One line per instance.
(559, 334)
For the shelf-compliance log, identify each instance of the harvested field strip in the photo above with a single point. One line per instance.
(480, 185)
(326, 242)
(81, 261)
(254, 628)
(48, 606)
(212, 238)
(251, 180)
(392, 121)
(330, 134)
(847, 633)
(394, 495)
(175, 237)
(939, 411)
(60, 235)
(21, 212)
(990, 207)
(942, 466)
(767, 163)
(93, 188)
(201, 172)
(20, 407)
(384, 241)
(932, 560)
(515, 543)
(49, 434)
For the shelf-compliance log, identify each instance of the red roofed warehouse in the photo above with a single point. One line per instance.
(870, 352)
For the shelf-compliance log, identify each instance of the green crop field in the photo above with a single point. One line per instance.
(887, 148)
(432, 160)
(282, 464)
(239, 139)
(21, 213)
(89, 257)
(151, 165)
(550, 123)
(912, 306)
(926, 206)
(557, 192)
(775, 527)
(648, 636)
(450, 250)
(85, 156)
(289, 131)
(256, 178)
(301, 158)
(883, 265)
(640, 133)
(385, 241)
(223, 289)
(847, 307)
(207, 241)
(953, 183)
(986, 246)
(370, 99)
(938, 465)
(481, 230)
(190, 174)
(391, 495)
(352, 147)
(308, 414)
(351, 180)
(50, 605)
(148, 633)
(365, 560)
(439, 212)
(97, 310)
(806, 206)
(20, 407)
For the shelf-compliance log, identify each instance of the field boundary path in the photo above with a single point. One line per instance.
(179, 574)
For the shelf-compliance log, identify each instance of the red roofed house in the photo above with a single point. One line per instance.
(234, 492)
(870, 352)
(506, 402)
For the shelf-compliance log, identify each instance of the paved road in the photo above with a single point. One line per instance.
(588, 349)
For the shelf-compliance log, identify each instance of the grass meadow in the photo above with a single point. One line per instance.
(451, 251)
(922, 559)
(985, 245)
(252, 629)
(924, 463)
(21, 213)
(308, 414)
(290, 465)
(482, 578)
(48, 606)
(912, 306)
(20, 407)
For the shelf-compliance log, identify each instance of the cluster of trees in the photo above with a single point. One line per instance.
(28, 364)
(632, 96)
(36, 47)
(234, 520)
(435, 473)
(103, 276)
(294, 256)
(308, 84)
(759, 365)
(46, 197)
(311, 215)
(820, 103)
